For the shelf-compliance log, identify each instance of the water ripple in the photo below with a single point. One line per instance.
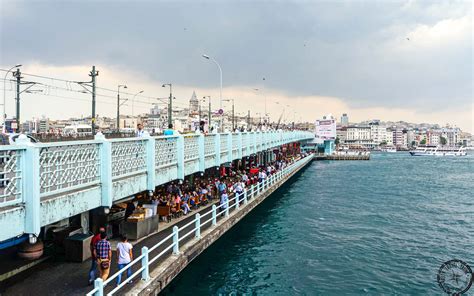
(379, 227)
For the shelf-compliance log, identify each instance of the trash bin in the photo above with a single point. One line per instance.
(77, 247)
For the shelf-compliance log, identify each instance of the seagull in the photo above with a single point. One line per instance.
(408, 39)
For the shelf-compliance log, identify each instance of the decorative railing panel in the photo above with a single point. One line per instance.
(191, 148)
(166, 151)
(10, 177)
(245, 138)
(224, 147)
(210, 145)
(128, 157)
(67, 166)
(235, 141)
(259, 140)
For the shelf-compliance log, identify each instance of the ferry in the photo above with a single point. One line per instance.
(438, 151)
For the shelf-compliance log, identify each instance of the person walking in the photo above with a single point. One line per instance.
(93, 269)
(223, 202)
(103, 253)
(125, 256)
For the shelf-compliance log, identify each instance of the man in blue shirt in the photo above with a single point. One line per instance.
(169, 131)
(221, 186)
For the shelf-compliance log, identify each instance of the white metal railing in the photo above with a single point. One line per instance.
(175, 238)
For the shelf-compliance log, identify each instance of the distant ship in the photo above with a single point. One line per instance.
(438, 151)
(389, 149)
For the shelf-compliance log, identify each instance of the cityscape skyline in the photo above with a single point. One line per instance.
(79, 103)
(413, 64)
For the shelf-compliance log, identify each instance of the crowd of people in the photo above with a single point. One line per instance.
(183, 198)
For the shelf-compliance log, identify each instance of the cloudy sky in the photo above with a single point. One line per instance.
(391, 60)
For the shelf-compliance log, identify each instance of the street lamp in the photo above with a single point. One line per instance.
(133, 101)
(4, 116)
(170, 104)
(220, 72)
(233, 122)
(118, 105)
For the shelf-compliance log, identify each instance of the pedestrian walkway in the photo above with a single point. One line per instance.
(71, 278)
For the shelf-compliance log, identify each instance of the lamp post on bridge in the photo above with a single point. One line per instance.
(4, 116)
(220, 96)
(233, 114)
(133, 101)
(170, 104)
(118, 105)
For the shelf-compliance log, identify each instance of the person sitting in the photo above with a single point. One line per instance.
(173, 205)
(192, 202)
(186, 208)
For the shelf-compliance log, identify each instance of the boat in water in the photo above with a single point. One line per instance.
(389, 149)
(438, 151)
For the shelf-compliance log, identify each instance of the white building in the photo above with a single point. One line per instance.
(359, 136)
(451, 135)
(43, 125)
(377, 133)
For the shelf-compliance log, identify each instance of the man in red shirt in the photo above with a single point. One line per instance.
(93, 269)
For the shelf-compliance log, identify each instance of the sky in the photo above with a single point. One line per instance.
(388, 60)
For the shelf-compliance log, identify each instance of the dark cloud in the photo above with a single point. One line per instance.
(302, 48)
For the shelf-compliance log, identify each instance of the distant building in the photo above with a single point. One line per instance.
(344, 119)
(433, 138)
(377, 132)
(451, 135)
(359, 136)
(193, 105)
(341, 134)
(400, 139)
(43, 125)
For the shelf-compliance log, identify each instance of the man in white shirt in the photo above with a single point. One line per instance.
(140, 132)
(125, 256)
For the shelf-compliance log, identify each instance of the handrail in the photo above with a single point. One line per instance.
(247, 197)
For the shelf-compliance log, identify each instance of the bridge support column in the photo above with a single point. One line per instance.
(30, 165)
(217, 144)
(201, 149)
(105, 170)
(150, 163)
(254, 142)
(180, 157)
(239, 146)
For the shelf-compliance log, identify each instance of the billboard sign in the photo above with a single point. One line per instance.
(326, 129)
